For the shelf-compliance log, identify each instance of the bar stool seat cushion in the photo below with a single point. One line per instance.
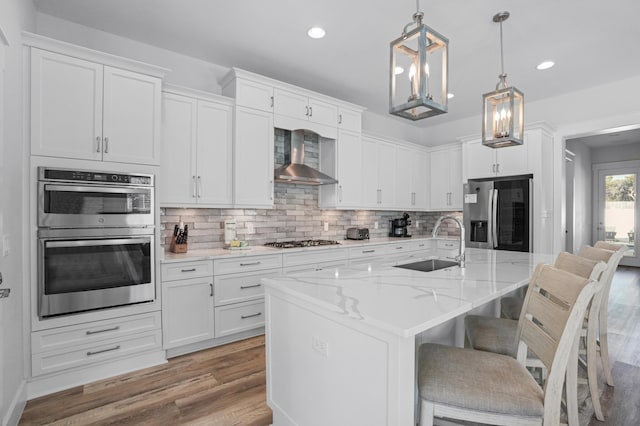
(477, 380)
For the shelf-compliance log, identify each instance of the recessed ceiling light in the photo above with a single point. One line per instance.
(450, 95)
(399, 70)
(316, 32)
(545, 65)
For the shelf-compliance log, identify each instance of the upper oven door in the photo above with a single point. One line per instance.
(68, 205)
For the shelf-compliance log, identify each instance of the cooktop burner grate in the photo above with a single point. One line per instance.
(301, 243)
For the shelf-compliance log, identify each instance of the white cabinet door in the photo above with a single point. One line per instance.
(370, 189)
(387, 174)
(481, 160)
(131, 117)
(323, 112)
(66, 106)
(214, 154)
(512, 160)
(421, 178)
(187, 311)
(404, 177)
(253, 158)
(252, 94)
(349, 169)
(177, 179)
(349, 119)
(455, 178)
(446, 179)
(291, 104)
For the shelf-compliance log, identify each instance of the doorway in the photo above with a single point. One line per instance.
(616, 205)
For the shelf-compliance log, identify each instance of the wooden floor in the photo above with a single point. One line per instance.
(226, 385)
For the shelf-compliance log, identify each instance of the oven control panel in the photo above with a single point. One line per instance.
(94, 177)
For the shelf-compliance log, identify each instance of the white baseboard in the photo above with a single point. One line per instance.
(14, 411)
(39, 386)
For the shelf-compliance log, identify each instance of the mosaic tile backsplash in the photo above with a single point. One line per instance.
(295, 215)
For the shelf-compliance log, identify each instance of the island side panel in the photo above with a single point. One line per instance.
(320, 371)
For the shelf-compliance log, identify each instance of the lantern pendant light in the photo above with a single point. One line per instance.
(503, 109)
(418, 71)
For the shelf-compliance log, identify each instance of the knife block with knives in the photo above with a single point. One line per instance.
(179, 239)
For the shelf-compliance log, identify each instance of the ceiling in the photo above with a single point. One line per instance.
(586, 39)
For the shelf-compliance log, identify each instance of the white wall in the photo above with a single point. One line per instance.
(15, 15)
(582, 194)
(617, 153)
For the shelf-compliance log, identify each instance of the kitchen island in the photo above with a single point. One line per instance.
(341, 343)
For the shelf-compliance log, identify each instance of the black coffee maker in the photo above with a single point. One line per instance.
(398, 227)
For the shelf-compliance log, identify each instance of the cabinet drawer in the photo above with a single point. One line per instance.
(313, 257)
(247, 264)
(240, 317)
(368, 251)
(183, 270)
(77, 356)
(315, 267)
(240, 287)
(448, 248)
(92, 333)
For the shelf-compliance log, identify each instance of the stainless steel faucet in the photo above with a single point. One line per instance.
(461, 257)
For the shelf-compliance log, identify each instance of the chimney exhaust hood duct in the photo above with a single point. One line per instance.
(294, 170)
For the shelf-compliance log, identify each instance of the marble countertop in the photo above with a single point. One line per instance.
(194, 255)
(406, 302)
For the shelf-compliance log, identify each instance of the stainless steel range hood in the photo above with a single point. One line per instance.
(294, 170)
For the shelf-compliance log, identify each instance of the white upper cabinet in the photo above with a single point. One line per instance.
(249, 90)
(253, 158)
(196, 151)
(342, 159)
(378, 173)
(349, 119)
(446, 179)
(412, 175)
(87, 110)
(304, 107)
(482, 161)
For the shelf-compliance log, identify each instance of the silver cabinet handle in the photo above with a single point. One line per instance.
(271, 101)
(106, 145)
(115, 348)
(195, 186)
(493, 168)
(188, 270)
(399, 248)
(498, 168)
(251, 316)
(90, 332)
(310, 111)
(271, 190)
(339, 118)
(368, 251)
(250, 263)
(211, 293)
(307, 113)
(97, 143)
(340, 193)
(199, 186)
(244, 287)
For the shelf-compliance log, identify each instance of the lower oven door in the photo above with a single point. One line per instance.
(80, 274)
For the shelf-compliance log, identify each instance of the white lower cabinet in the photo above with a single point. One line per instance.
(81, 345)
(187, 303)
(239, 317)
(307, 261)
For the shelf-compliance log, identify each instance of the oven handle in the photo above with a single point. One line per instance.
(84, 243)
(83, 188)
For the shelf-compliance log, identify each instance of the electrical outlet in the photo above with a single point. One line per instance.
(250, 228)
(320, 346)
(326, 226)
(375, 225)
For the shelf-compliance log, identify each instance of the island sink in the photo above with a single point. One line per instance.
(428, 265)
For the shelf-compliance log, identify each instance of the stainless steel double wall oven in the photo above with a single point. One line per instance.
(95, 240)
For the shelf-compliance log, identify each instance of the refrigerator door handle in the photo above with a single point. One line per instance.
(494, 218)
(490, 221)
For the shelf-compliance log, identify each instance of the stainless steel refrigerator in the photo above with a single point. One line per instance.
(498, 213)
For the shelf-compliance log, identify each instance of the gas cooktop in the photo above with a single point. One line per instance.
(301, 243)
